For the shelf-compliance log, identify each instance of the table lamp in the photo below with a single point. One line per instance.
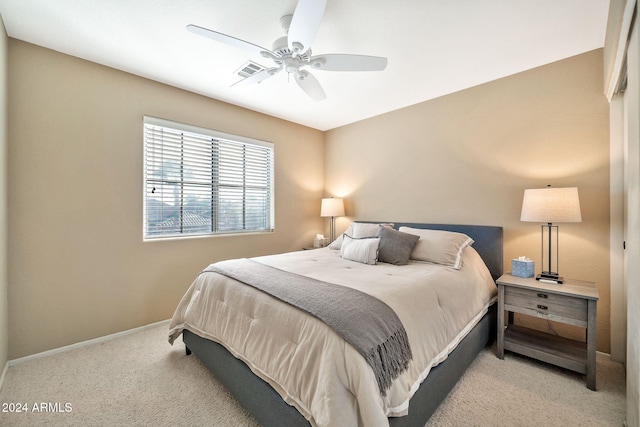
(550, 205)
(332, 208)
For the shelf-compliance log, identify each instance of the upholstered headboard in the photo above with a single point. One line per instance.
(487, 240)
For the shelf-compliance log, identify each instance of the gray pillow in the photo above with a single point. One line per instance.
(395, 247)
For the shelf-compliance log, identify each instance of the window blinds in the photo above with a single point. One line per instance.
(199, 181)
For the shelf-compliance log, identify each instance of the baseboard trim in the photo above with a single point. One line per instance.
(4, 374)
(78, 345)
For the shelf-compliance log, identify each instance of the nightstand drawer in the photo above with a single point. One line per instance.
(546, 305)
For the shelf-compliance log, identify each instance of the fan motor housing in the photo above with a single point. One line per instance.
(281, 48)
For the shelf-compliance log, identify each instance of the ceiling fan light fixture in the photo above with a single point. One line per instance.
(291, 65)
(292, 52)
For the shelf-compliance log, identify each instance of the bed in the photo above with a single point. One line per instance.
(305, 373)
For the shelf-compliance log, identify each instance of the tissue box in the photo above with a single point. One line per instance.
(522, 268)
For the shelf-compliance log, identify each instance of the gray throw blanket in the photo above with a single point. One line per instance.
(365, 322)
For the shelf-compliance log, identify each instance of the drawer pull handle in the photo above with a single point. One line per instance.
(543, 307)
(543, 296)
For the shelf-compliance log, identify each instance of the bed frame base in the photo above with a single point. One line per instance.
(252, 392)
(268, 408)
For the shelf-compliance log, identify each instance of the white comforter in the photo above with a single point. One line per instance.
(308, 364)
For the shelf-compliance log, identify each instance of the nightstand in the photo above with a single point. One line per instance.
(573, 302)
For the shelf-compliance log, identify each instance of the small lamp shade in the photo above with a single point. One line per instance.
(332, 207)
(551, 205)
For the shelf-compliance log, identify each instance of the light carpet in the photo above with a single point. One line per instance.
(140, 380)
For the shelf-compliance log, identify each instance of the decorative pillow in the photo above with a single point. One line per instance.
(366, 229)
(395, 246)
(337, 244)
(360, 250)
(439, 246)
(358, 230)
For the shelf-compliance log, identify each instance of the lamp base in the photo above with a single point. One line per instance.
(550, 277)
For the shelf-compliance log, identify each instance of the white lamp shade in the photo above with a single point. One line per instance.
(332, 207)
(551, 205)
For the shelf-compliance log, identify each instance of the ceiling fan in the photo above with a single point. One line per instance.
(292, 52)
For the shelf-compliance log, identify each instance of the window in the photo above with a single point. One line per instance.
(199, 181)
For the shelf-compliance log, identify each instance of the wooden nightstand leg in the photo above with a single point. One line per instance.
(500, 339)
(591, 345)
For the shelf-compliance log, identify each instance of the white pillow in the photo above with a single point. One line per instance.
(358, 230)
(439, 246)
(360, 250)
(364, 229)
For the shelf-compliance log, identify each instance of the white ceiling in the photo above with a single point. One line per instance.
(434, 47)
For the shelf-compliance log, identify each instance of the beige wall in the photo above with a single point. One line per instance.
(467, 157)
(78, 268)
(4, 307)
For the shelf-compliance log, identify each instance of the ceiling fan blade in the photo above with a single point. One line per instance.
(257, 77)
(345, 62)
(228, 40)
(310, 85)
(304, 24)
